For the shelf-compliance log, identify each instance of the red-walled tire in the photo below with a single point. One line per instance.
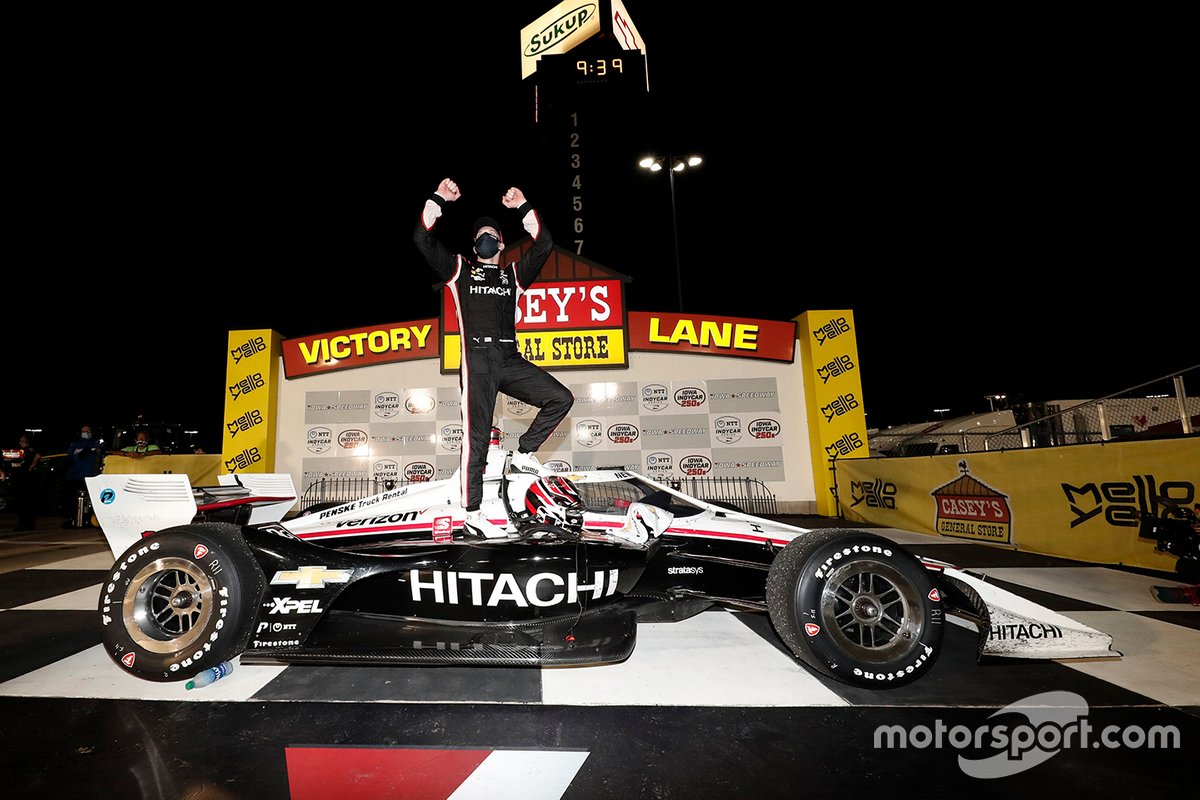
(181, 601)
(856, 607)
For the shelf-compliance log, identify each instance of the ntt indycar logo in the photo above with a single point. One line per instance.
(655, 397)
(387, 405)
(542, 590)
(319, 440)
(1024, 734)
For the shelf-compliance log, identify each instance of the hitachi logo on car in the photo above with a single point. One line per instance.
(846, 551)
(484, 588)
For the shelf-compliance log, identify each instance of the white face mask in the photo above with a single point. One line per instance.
(85, 435)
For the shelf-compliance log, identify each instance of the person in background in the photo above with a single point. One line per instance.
(85, 456)
(20, 466)
(141, 446)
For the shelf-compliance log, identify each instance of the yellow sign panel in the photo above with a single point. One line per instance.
(568, 24)
(594, 347)
(1078, 502)
(251, 399)
(202, 470)
(837, 422)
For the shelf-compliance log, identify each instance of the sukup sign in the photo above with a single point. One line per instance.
(558, 30)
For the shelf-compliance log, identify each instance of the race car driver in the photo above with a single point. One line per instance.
(485, 293)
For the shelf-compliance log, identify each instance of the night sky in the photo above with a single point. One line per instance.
(997, 216)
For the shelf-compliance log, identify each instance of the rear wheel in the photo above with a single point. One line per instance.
(181, 601)
(856, 607)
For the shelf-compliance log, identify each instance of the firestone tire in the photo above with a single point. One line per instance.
(856, 607)
(181, 601)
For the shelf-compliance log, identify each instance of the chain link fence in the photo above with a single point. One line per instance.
(1156, 409)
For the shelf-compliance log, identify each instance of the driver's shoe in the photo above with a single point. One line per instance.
(527, 462)
(479, 525)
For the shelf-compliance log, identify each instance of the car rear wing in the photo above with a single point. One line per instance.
(129, 507)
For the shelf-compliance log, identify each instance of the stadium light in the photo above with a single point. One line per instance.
(656, 164)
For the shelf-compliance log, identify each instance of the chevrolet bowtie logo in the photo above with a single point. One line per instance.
(311, 577)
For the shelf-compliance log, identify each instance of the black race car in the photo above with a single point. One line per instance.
(207, 574)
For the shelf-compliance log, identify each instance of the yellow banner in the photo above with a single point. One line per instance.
(202, 470)
(251, 399)
(837, 422)
(556, 349)
(1077, 502)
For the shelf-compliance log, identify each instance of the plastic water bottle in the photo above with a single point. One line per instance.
(209, 675)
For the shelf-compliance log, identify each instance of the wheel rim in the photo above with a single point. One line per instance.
(873, 611)
(168, 605)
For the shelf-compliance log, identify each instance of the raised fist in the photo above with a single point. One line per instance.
(513, 198)
(448, 190)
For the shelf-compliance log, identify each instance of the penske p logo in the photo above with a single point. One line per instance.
(488, 589)
(311, 577)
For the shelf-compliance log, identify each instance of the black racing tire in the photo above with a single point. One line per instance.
(856, 607)
(181, 601)
(1188, 569)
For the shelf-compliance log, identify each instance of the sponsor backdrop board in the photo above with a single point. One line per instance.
(667, 416)
(252, 369)
(1061, 501)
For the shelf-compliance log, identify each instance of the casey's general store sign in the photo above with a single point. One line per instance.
(563, 324)
(560, 325)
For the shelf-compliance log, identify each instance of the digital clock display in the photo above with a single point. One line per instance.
(601, 67)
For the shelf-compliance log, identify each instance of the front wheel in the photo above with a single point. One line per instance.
(856, 607)
(181, 601)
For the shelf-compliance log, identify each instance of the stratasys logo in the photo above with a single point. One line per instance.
(560, 29)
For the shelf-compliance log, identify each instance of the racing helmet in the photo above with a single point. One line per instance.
(554, 500)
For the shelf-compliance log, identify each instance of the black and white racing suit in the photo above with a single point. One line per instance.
(485, 299)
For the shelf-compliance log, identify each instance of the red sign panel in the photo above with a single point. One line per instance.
(559, 305)
(712, 335)
(360, 347)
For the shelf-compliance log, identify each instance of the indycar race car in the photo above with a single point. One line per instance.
(204, 574)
